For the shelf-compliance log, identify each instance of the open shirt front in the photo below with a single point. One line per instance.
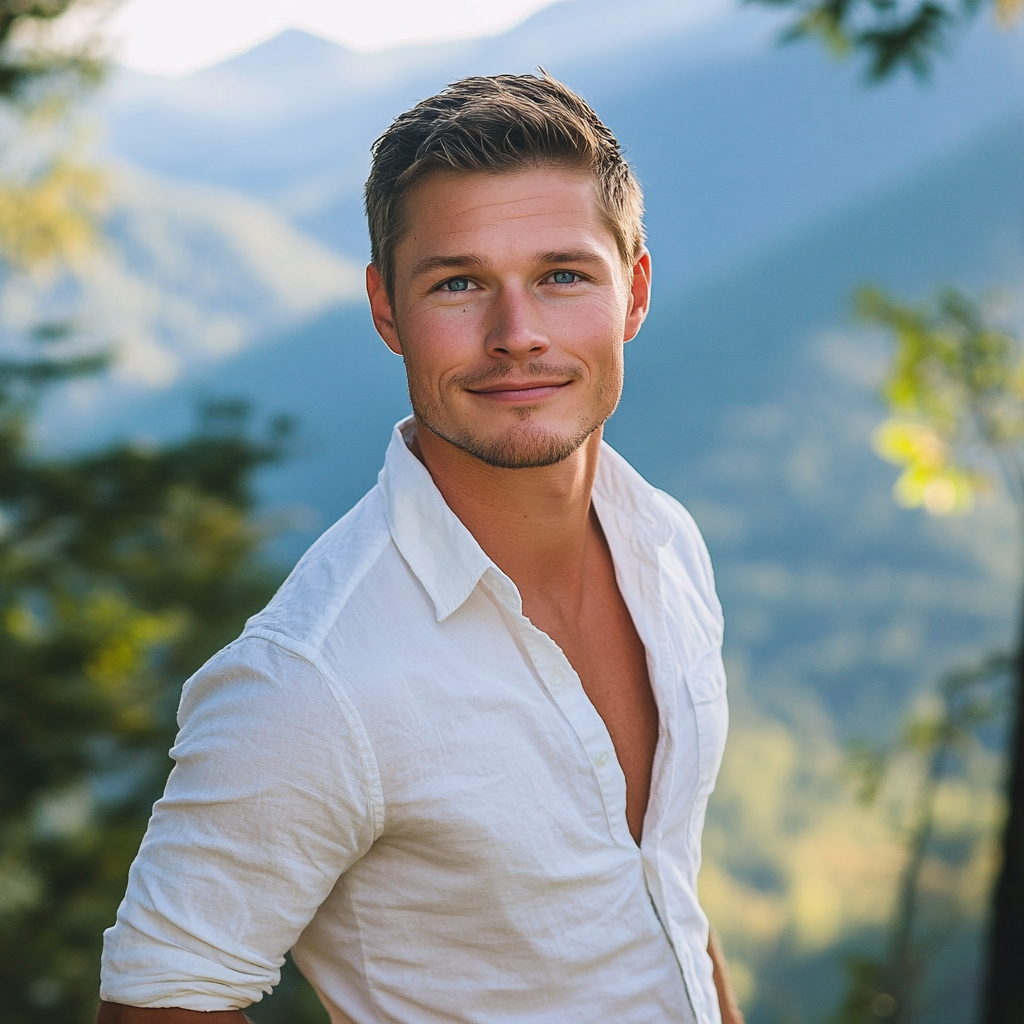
(394, 772)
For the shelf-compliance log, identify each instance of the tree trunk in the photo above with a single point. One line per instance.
(901, 969)
(1004, 984)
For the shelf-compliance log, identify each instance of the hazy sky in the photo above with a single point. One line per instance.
(177, 36)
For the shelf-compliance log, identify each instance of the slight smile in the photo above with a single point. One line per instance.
(525, 392)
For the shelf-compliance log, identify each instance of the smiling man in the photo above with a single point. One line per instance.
(459, 765)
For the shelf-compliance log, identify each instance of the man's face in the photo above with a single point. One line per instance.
(511, 308)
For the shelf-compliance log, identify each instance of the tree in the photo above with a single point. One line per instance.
(891, 34)
(886, 987)
(956, 397)
(121, 568)
(120, 571)
(955, 390)
(28, 59)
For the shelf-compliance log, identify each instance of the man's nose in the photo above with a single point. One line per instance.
(515, 328)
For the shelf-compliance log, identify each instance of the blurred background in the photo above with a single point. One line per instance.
(191, 390)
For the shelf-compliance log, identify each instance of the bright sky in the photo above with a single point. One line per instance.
(174, 37)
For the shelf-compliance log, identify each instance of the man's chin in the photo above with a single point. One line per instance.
(519, 448)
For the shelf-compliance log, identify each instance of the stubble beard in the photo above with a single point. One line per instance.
(525, 445)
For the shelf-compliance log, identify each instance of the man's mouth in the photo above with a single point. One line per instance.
(520, 391)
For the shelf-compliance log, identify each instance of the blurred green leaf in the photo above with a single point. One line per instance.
(892, 36)
(955, 392)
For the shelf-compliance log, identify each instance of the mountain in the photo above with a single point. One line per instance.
(776, 183)
(738, 142)
(187, 274)
(740, 145)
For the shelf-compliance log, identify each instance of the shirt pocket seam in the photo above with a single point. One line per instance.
(705, 695)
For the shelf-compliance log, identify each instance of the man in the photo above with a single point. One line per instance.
(460, 763)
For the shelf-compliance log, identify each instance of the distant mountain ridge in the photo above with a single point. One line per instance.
(739, 143)
(262, 85)
(186, 274)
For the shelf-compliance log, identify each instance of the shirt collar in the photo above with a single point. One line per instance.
(442, 553)
(445, 556)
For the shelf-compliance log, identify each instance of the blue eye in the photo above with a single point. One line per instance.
(457, 284)
(564, 277)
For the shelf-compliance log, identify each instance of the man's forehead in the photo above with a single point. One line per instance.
(546, 208)
(468, 196)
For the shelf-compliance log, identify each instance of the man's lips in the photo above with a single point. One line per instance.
(520, 391)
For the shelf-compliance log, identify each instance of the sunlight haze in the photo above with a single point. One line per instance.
(174, 37)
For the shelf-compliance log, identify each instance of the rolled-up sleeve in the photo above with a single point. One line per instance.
(274, 794)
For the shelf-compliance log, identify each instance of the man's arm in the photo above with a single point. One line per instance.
(115, 1013)
(268, 804)
(731, 1012)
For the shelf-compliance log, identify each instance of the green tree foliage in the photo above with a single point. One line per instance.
(956, 426)
(49, 199)
(956, 398)
(891, 34)
(29, 60)
(121, 570)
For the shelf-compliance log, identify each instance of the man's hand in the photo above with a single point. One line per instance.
(115, 1013)
(731, 1012)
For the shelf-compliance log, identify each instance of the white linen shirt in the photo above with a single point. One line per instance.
(395, 774)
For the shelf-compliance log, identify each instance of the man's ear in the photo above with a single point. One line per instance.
(380, 309)
(639, 295)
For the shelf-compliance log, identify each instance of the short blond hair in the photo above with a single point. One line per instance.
(498, 123)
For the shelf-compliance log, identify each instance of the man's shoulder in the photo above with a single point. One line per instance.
(665, 521)
(320, 587)
(685, 537)
(668, 518)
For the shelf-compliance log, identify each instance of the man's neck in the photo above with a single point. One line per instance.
(534, 523)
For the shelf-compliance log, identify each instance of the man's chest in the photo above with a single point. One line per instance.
(505, 844)
(604, 648)
(485, 736)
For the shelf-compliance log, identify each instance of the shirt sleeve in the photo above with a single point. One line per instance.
(273, 795)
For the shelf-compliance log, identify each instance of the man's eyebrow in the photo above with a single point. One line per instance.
(570, 256)
(470, 261)
(455, 261)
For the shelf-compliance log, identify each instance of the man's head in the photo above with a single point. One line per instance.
(498, 124)
(508, 265)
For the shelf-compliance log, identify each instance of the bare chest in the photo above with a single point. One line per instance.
(603, 646)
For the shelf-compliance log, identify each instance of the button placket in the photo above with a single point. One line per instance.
(565, 688)
(642, 590)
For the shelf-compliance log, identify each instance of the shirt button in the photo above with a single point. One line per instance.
(602, 759)
(557, 679)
